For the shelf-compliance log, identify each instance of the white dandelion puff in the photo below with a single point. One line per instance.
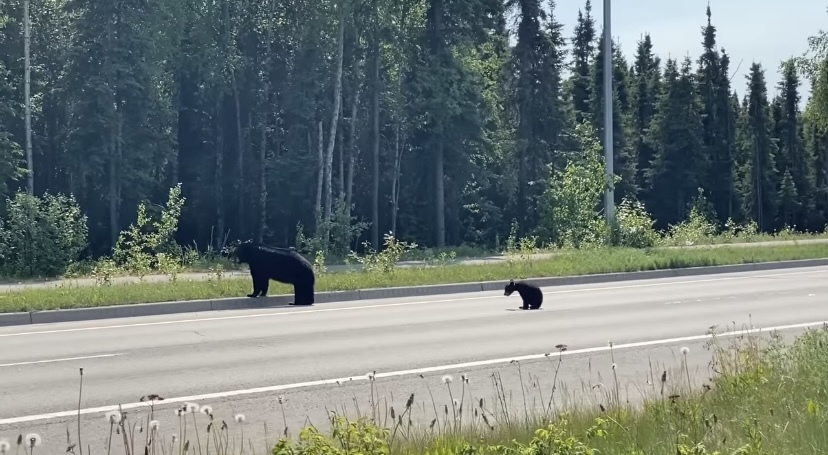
(207, 410)
(281, 399)
(113, 417)
(33, 439)
(456, 402)
(447, 379)
(685, 350)
(154, 425)
(371, 375)
(191, 407)
(613, 366)
(239, 418)
(5, 446)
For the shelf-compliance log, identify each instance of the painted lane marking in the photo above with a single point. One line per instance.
(398, 304)
(440, 368)
(67, 359)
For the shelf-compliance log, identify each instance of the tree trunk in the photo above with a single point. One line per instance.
(264, 126)
(439, 193)
(352, 150)
(219, 175)
(320, 176)
(375, 133)
(27, 69)
(240, 157)
(395, 183)
(334, 120)
(340, 160)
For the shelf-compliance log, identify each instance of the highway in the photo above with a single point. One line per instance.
(317, 357)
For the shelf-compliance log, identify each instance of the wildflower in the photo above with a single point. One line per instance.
(113, 417)
(456, 402)
(154, 425)
(207, 410)
(33, 439)
(190, 407)
(465, 379)
(447, 379)
(281, 399)
(239, 418)
(371, 375)
(613, 366)
(685, 350)
(561, 347)
(4, 446)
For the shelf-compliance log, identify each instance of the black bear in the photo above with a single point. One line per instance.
(531, 294)
(284, 265)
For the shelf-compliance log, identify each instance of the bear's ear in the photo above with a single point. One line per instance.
(512, 281)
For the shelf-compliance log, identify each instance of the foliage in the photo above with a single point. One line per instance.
(148, 243)
(635, 226)
(41, 236)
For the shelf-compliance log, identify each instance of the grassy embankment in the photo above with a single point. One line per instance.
(766, 397)
(577, 262)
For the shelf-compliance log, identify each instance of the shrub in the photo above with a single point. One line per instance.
(635, 226)
(41, 236)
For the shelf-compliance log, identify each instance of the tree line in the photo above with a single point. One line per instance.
(351, 118)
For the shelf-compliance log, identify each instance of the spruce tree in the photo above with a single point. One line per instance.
(536, 61)
(583, 51)
(759, 179)
(646, 86)
(714, 91)
(623, 163)
(676, 136)
(793, 158)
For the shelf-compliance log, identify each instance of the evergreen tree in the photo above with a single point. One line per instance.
(816, 144)
(646, 84)
(536, 62)
(623, 161)
(676, 136)
(793, 159)
(583, 51)
(759, 181)
(11, 154)
(714, 91)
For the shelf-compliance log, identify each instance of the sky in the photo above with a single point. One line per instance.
(762, 31)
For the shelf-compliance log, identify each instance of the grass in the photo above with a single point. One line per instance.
(564, 264)
(763, 397)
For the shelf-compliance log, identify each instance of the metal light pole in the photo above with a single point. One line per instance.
(609, 194)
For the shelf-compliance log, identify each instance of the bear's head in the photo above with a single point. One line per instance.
(509, 289)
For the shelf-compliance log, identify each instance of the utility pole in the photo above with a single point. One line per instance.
(27, 69)
(609, 194)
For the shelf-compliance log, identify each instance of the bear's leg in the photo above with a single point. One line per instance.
(254, 275)
(537, 303)
(264, 285)
(302, 296)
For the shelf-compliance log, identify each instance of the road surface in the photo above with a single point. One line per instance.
(317, 357)
(201, 276)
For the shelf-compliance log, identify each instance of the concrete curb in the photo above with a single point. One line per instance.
(243, 303)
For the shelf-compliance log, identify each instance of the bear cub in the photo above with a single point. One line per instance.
(531, 294)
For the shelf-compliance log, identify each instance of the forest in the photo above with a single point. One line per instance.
(348, 119)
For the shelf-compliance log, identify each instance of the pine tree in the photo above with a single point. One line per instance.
(536, 61)
(676, 136)
(646, 83)
(583, 51)
(816, 144)
(714, 91)
(11, 154)
(623, 162)
(792, 158)
(758, 175)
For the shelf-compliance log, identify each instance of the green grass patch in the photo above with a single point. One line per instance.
(566, 263)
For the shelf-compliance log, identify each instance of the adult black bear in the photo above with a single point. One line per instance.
(284, 265)
(531, 294)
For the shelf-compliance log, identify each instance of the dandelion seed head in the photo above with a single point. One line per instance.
(371, 375)
(113, 417)
(685, 350)
(33, 439)
(5, 446)
(456, 402)
(191, 407)
(447, 379)
(239, 418)
(281, 399)
(207, 410)
(154, 425)
(613, 366)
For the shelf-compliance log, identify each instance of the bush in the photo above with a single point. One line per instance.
(635, 226)
(41, 236)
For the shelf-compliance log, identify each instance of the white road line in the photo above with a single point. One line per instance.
(67, 359)
(479, 363)
(399, 304)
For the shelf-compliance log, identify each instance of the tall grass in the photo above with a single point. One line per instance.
(763, 397)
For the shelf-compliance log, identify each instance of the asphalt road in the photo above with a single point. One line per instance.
(242, 361)
(200, 276)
